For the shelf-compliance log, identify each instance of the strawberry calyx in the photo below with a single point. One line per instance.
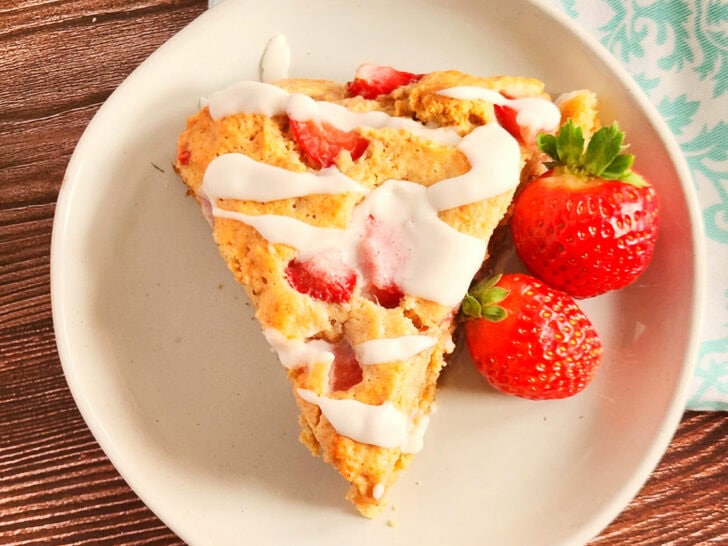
(602, 158)
(483, 298)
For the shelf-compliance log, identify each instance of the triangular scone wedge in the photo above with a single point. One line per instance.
(403, 228)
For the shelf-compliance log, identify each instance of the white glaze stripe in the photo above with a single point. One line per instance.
(248, 96)
(378, 351)
(276, 60)
(262, 98)
(409, 209)
(378, 491)
(416, 435)
(238, 175)
(441, 260)
(383, 425)
(288, 231)
(495, 167)
(294, 353)
(534, 113)
(302, 107)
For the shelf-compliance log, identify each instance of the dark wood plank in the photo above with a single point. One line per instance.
(685, 500)
(60, 60)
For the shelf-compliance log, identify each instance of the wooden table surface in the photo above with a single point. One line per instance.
(59, 61)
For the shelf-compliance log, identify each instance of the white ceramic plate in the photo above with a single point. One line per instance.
(179, 388)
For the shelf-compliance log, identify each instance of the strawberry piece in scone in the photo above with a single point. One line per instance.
(322, 142)
(506, 117)
(381, 254)
(324, 277)
(372, 80)
(345, 370)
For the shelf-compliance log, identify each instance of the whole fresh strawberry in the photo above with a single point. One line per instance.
(589, 224)
(528, 339)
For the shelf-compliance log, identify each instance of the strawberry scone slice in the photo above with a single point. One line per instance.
(356, 217)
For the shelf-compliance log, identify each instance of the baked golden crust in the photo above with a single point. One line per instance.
(260, 265)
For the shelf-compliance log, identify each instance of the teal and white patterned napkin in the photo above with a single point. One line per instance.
(677, 50)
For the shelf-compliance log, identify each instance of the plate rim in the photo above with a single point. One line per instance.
(670, 421)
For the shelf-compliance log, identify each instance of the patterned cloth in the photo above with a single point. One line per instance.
(677, 50)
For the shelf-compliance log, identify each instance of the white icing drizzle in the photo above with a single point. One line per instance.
(248, 96)
(239, 175)
(378, 351)
(534, 113)
(276, 59)
(294, 353)
(495, 167)
(302, 108)
(441, 261)
(308, 239)
(263, 98)
(378, 491)
(383, 425)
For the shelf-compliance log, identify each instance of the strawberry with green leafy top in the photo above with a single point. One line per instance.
(529, 340)
(589, 224)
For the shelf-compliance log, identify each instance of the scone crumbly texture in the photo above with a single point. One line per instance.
(260, 265)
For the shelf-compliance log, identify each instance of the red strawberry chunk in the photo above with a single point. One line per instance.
(322, 143)
(345, 371)
(184, 157)
(381, 255)
(372, 80)
(324, 277)
(387, 296)
(506, 117)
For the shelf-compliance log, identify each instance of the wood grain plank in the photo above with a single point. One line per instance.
(687, 481)
(56, 485)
